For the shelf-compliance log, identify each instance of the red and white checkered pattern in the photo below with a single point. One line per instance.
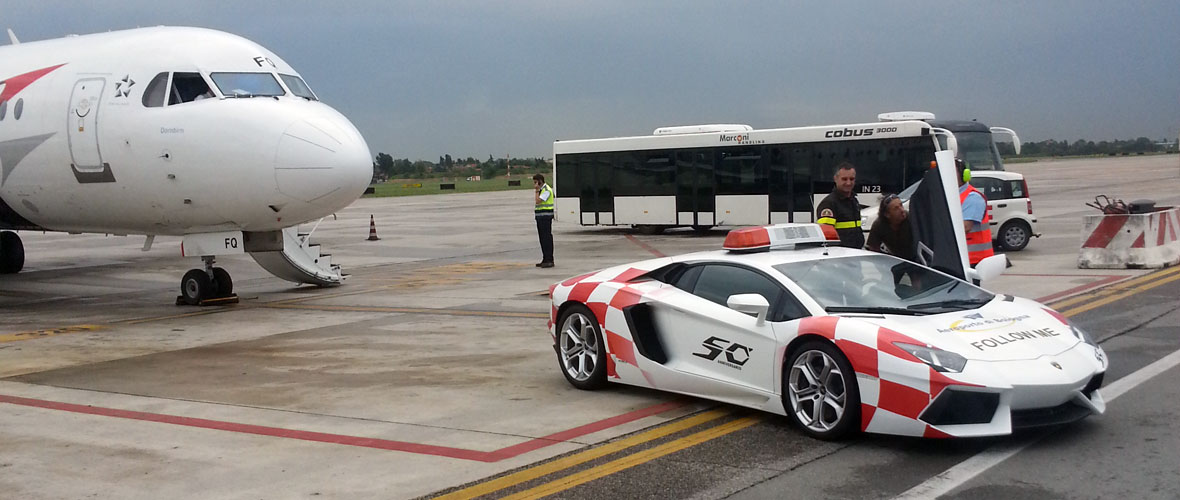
(894, 386)
(606, 293)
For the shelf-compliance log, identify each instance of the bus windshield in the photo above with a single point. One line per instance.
(978, 150)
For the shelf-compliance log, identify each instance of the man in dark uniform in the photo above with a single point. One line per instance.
(841, 210)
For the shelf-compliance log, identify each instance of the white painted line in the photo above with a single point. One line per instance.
(1122, 385)
(966, 470)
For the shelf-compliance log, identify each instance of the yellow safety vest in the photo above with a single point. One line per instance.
(546, 205)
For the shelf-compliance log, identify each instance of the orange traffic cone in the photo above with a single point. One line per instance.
(372, 230)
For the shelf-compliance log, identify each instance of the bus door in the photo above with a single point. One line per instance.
(598, 199)
(790, 184)
(694, 188)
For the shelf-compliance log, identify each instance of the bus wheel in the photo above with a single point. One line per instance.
(649, 228)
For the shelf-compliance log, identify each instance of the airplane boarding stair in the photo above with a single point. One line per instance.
(300, 261)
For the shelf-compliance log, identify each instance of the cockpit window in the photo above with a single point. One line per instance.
(298, 86)
(247, 84)
(153, 94)
(188, 87)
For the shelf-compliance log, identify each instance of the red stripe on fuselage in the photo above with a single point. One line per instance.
(14, 85)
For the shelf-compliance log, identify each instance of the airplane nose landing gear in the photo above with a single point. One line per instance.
(206, 287)
(12, 253)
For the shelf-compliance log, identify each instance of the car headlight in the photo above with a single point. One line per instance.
(940, 360)
(1082, 335)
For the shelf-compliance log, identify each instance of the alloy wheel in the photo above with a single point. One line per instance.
(817, 391)
(579, 347)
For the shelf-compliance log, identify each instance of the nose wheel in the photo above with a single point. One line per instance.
(12, 253)
(206, 287)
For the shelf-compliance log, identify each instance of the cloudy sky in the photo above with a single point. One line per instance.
(477, 78)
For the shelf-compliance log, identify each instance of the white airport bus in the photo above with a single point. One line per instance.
(727, 175)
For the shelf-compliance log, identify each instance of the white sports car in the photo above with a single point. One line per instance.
(837, 339)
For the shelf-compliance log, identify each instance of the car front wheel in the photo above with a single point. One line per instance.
(1014, 235)
(580, 351)
(820, 391)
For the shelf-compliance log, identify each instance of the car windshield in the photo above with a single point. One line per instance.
(298, 86)
(247, 84)
(882, 283)
(978, 150)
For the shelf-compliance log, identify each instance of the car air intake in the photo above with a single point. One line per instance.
(954, 407)
(1093, 385)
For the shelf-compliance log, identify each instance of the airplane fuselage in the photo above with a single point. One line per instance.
(105, 133)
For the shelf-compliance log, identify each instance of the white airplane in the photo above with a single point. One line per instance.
(173, 131)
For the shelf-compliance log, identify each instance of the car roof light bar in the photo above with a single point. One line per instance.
(778, 236)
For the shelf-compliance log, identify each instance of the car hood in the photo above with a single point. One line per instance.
(1004, 329)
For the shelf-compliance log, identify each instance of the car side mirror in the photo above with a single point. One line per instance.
(749, 303)
(990, 268)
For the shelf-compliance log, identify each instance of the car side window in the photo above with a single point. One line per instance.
(992, 189)
(1017, 188)
(717, 282)
(788, 309)
(687, 278)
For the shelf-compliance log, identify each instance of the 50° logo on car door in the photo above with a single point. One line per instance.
(736, 355)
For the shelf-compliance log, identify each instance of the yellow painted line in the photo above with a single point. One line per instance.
(545, 469)
(328, 295)
(1119, 296)
(48, 332)
(1114, 288)
(632, 460)
(152, 319)
(411, 310)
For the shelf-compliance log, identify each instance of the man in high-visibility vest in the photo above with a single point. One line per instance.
(840, 208)
(543, 211)
(976, 217)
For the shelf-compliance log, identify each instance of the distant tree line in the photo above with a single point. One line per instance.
(1083, 147)
(386, 167)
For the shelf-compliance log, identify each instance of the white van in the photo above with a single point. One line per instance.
(1013, 223)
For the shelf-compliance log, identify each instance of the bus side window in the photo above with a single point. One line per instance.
(153, 94)
(188, 87)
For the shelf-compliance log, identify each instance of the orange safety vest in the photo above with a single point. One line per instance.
(979, 241)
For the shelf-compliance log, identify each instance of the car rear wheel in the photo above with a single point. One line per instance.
(1014, 235)
(820, 391)
(580, 351)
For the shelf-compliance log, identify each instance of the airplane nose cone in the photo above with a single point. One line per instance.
(323, 160)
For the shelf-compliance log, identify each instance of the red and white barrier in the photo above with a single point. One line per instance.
(1132, 241)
